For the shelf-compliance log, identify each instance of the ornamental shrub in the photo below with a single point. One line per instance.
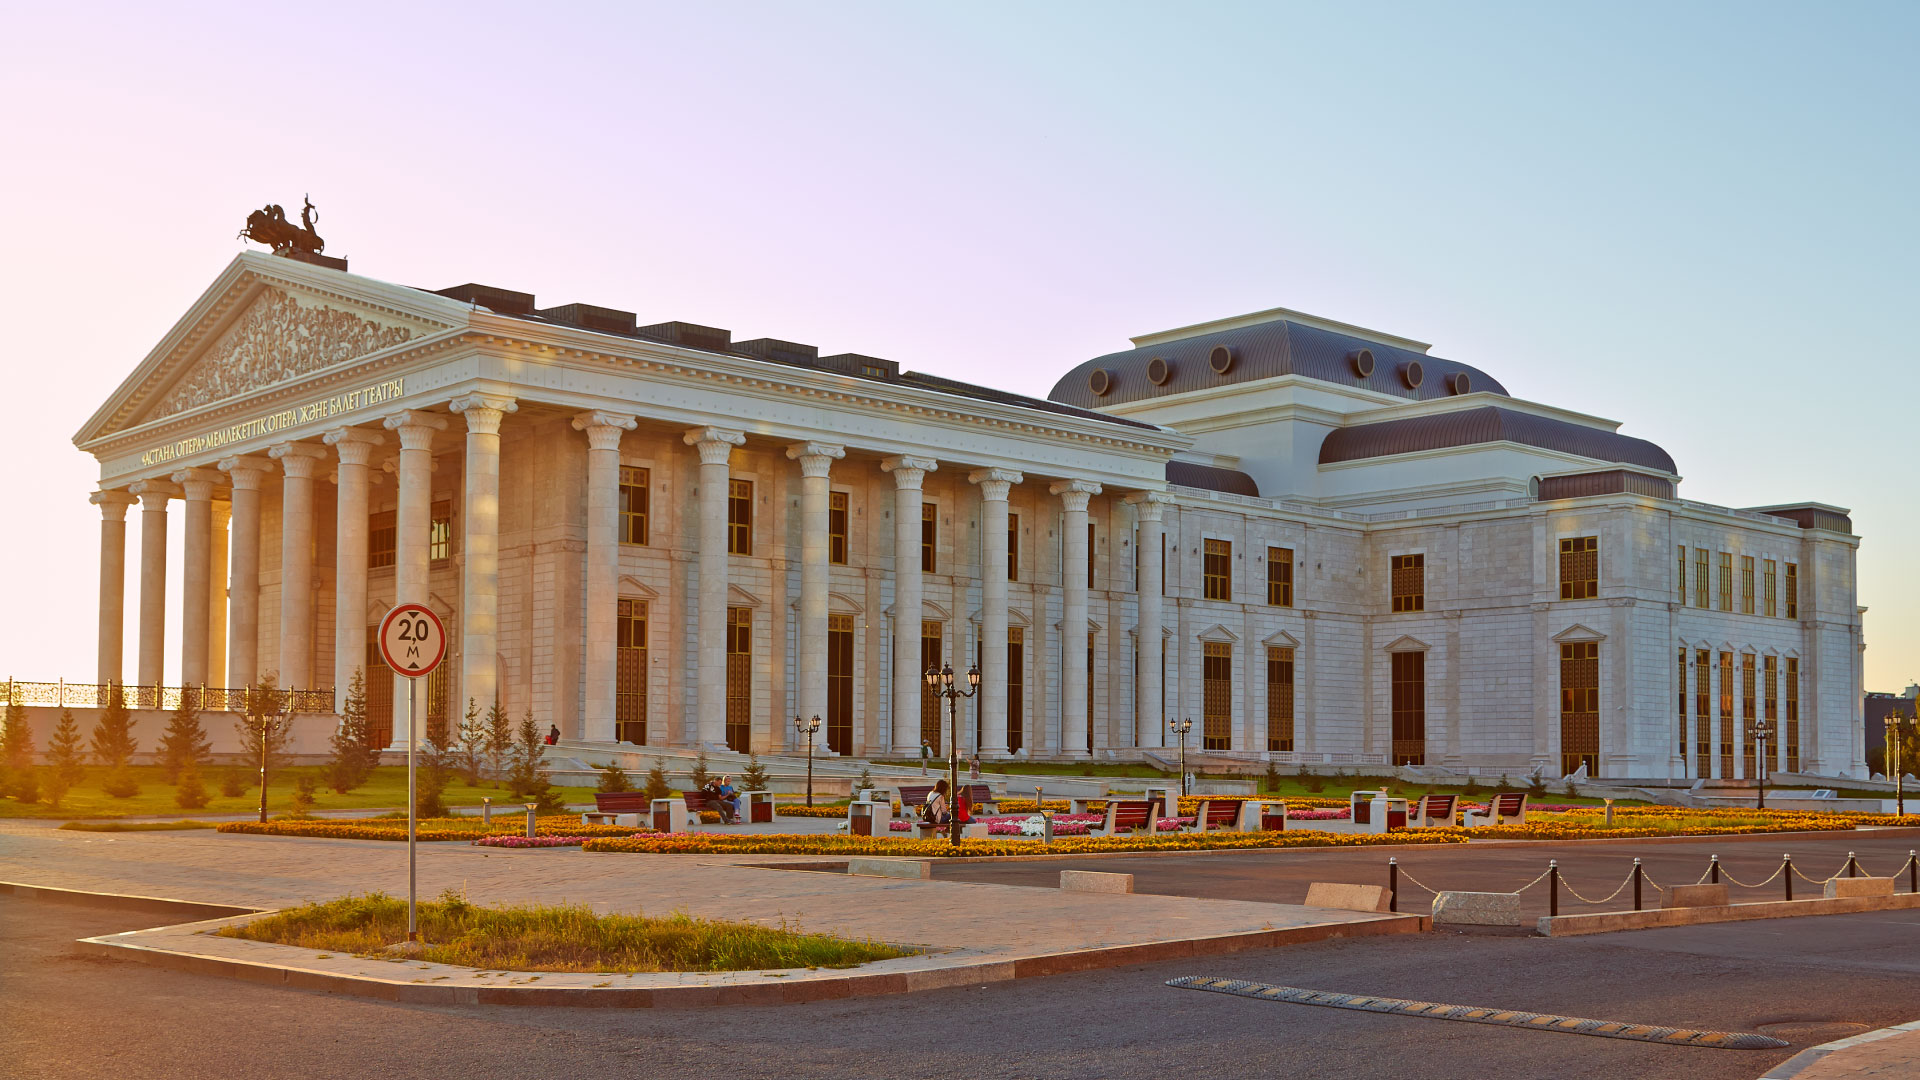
(699, 776)
(16, 752)
(1313, 781)
(527, 778)
(613, 778)
(184, 741)
(657, 786)
(301, 805)
(26, 784)
(499, 740)
(189, 793)
(120, 783)
(1271, 781)
(472, 739)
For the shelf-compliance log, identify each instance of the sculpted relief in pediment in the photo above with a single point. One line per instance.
(279, 337)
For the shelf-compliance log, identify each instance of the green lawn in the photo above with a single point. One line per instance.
(386, 788)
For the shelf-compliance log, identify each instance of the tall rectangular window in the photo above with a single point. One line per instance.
(1409, 583)
(1580, 706)
(1769, 589)
(1701, 582)
(1746, 584)
(1409, 708)
(1680, 575)
(840, 684)
(1217, 570)
(1090, 684)
(1748, 711)
(929, 537)
(1703, 714)
(1580, 568)
(837, 528)
(1726, 581)
(1792, 732)
(739, 517)
(1280, 576)
(1680, 682)
(932, 637)
(1090, 561)
(382, 541)
(739, 679)
(1770, 673)
(440, 532)
(1279, 699)
(634, 503)
(1016, 687)
(1793, 591)
(1216, 676)
(1013, 547)
(1726, 715)
(630, 672)
(379, 692)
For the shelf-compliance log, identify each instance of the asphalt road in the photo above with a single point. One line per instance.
(63, 1016)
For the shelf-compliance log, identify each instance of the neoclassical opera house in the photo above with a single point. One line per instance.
(1321, 543)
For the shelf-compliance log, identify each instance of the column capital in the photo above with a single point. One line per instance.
(714, 443)
(155, 493)
(816, 458)
(484, 411)
(1149, 504)
(113, 504)
(908, 471)
(415, 428)
(354, 445)
(198, 484)
(248, 471)
(300, 460)
(1074, 494)
(995, 484)
(604, 428)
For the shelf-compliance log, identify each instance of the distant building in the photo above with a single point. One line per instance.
(1878, 706)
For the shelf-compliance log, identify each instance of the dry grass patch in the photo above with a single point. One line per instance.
(555, 938)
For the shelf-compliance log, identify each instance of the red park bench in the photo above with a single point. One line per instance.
(1218, 814)
(1126, 815)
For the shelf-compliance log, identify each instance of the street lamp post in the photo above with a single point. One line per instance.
(266, 717)
(1180, 728)
(1760, 731)
(1895, 730)
(940, 680)
(808, 729)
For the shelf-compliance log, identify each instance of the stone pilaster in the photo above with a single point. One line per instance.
(995, 486)
(816, 465)
(113, 582)
(153, 578)
(354, 479)
(603, 430)
(1074, 721)
(301, 463)
(710, 702)
(413, 523)
(196, 558)
(908, 474)
(1149, 721)
(222, 515)
(243, 568)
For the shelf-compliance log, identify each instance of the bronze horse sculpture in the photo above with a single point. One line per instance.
(270, 226)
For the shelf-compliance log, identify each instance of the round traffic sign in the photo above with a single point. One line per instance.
(412, 641)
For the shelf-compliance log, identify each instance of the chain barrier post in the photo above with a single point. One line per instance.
(1786, 872)
(1853, 868)
(1913, 871)
(1636, 884)
(531, 807)
(1713, 870)
(1553, 887)
(1393, 885)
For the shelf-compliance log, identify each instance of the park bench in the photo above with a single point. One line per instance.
(1126, 815)
(608, 806)
(1506, 808)
(980, 798)
(1221, 814)
(1432, 812)
(913, 797)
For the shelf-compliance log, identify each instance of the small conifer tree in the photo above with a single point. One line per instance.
(473, 743)
(189, 792)
(349, 766)
(699, 776)
(300, 806)
(499, 748)
(184, 739)
(614, 778)
(1271, 781)
(113, 741)
(233, 783)
(262, 727)
(657, 786)
(528, 778)
(16, 752)
(65, 757)
(755, 776)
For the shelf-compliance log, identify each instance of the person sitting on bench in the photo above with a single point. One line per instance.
(722, 804)
(936, 811)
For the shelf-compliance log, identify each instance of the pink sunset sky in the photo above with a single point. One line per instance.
(1699, 219)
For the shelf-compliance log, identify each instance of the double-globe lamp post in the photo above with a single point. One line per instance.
(808, 729)
(1180, 728)
(1759, 732)
(940, 680)
(1896, 730)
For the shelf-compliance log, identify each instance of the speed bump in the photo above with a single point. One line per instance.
(1572, 1025)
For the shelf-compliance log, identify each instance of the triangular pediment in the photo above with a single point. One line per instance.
(1578, 632)
(269, 321)
(739, 597)
(633, 588)
(1281, 639)
(1217, 632)
(1407, 643)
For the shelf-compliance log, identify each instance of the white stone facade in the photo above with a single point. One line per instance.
(493, 445)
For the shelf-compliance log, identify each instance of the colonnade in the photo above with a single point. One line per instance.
(215, 649)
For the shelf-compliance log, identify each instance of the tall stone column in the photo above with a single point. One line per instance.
(354, 480)
(153, 578)
(603, 559)
(217, 595)
(243, 582)
(480, 569)
(995, 485)
(710, 709)
(113, 582)
(300, 462)
(196, 557)
(1074, 495)
(1149, 720)
(908, 474)
(412, 523)
(816, 464)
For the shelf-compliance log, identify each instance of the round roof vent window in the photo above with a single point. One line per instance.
(1220, 359)
(1099, 381)
(1159, 371)
(1413, 374)
(1362, 361)
(1462, 383)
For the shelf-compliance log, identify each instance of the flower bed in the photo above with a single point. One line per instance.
(1585, 823)
(803, 810)
(790, 844)
(429, 829)
(531, 841)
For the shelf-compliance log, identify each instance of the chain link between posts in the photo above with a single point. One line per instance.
(1786, 864)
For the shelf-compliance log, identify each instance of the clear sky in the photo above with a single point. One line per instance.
(1697, 218)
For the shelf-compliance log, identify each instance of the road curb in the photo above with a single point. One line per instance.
(192, 909)
(1799, 1062)
(1605, 922)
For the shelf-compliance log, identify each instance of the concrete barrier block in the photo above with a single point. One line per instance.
(1477, 908)
(1335, 894)
(1696, 896)
(1859, 886)
(1094, 881)
(894, 868)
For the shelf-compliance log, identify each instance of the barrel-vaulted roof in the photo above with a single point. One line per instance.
(1489, 424)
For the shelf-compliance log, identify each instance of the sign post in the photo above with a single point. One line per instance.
(413, 643)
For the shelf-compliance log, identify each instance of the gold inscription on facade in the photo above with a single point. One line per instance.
(320, 409)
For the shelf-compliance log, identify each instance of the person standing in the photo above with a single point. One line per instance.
(973, 768)
(926, 752)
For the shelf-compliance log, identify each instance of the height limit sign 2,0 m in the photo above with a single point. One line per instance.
(412, 641)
